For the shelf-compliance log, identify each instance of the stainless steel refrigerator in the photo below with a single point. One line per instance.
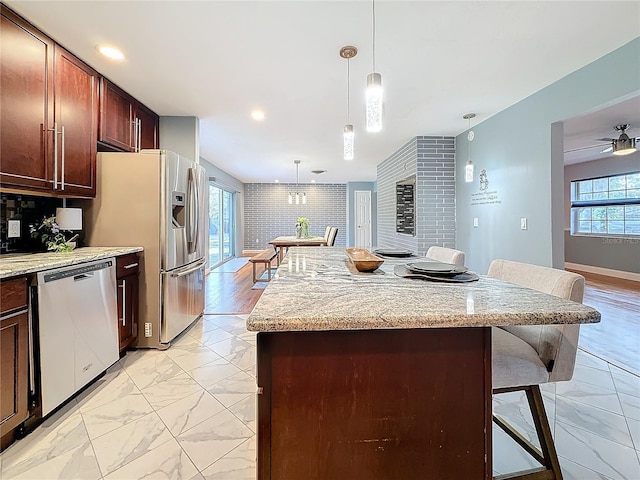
(158, 200)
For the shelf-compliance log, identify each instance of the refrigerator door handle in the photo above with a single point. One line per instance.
(192, 212)
(195, 268)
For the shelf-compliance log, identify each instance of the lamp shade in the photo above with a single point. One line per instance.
(69, 218)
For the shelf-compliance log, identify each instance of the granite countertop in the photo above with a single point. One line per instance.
(317, 288)
(15, 265)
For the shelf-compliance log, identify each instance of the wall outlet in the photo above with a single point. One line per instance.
(523, 223)
(147, 329)
(14, 229)
(257, 240)
(475, 222)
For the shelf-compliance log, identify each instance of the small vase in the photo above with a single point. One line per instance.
(298, 231)
(305, 231)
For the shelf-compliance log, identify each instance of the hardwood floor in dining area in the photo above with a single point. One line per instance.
(231, 293)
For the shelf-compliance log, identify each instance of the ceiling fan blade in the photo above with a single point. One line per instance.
(590, 147)
(605, 139)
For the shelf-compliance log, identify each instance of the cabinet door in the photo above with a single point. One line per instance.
(76, 116)
(26, 104)
(116, 117)
(147, 126)
(14, 324)
(127, 310)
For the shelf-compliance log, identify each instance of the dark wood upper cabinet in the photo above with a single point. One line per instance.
(116, 116)
(148, 125)
(125, 124)
(49, 114)
(76, 118)
(26, 104)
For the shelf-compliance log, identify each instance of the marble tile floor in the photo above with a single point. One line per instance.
(189, 413)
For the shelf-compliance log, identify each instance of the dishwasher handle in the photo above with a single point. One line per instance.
(82, 276)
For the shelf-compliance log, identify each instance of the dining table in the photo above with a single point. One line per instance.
(285, 242)
(371, 375)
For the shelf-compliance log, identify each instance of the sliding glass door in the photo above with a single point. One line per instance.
(221, 222)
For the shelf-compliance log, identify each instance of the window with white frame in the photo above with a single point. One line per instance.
(606, 206)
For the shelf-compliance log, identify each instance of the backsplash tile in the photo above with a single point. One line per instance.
(29, 210)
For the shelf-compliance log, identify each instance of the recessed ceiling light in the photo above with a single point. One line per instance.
(257, 115)
(277, 181)
(313, 181)
(110, 52)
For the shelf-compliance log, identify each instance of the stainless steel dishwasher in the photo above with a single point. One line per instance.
(77, 328)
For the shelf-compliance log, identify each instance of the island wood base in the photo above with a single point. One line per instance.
(375, 404)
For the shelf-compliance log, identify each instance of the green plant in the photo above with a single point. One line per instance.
(303, 223)
(50, 235)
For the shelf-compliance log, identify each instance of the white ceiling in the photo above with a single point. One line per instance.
(438, 59)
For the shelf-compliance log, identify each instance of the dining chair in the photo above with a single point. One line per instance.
(327, 231)
(332, 236)
(446, 255)
(523, 357)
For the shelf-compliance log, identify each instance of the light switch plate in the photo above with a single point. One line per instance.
(475, 221)
(523, 223)
(13, 230)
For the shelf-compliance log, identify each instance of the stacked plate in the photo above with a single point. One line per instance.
(436, 271)
(393, 252)
(435, 268)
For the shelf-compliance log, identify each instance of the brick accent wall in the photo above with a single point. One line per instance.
(432, 161)
(267, 213)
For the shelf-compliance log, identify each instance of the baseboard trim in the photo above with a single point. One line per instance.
(608, 272)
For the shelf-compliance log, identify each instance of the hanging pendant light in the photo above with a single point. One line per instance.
(348, 52)
(468, 166)
(299, 197)
(374, 88)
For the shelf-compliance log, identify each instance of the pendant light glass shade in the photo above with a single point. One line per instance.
(297, 196)
(348, 142)
(468, 166)
(468, 172)
(374, 102)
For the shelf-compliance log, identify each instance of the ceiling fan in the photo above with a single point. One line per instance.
(623, 145)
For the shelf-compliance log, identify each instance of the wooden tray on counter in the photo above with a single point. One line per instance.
(363, 259)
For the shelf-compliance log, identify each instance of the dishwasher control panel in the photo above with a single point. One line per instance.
(80, 270)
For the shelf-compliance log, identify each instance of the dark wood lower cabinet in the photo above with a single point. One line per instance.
(375, 404)
(127, 268)
(14, 377)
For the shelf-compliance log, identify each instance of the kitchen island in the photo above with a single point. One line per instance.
(373, 376)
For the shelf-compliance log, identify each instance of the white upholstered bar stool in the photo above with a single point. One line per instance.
(523, 357)
(446, 255)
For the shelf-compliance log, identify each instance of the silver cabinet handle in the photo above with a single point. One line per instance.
(55, 154)
(131, 265)
(135, 134)
(124, 302)
(62, 133)
(139, 134)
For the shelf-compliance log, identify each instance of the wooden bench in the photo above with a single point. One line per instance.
(266, 257)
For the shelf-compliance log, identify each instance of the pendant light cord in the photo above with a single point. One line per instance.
(469, 142)
(348, 88)
(373, 8)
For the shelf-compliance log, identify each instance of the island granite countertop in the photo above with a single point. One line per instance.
(14, 265)
(317, 288)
